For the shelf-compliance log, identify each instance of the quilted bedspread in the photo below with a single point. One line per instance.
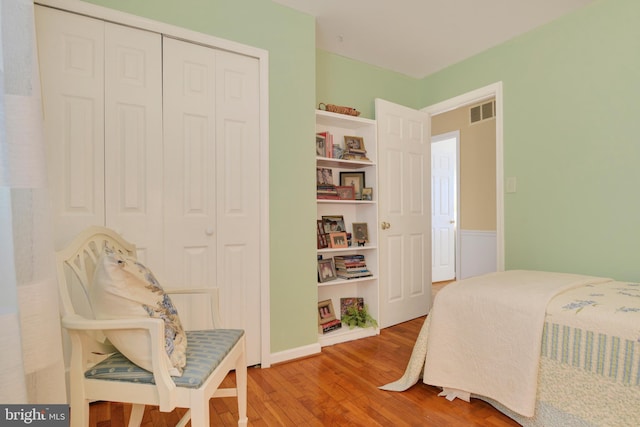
(589, 357)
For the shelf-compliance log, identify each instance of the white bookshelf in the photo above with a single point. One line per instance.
(353, 211)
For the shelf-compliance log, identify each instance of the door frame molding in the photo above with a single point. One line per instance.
(119, 17)
(438, 138)
(493, 90)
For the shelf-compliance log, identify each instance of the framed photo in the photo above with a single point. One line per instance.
(338, 240)
(333, 223)
(354, 144)
(345, 303)
(355, 180)
(320, 146)
(321, 235)
(325, 312)
(367, 193)
(346, 192)
(324, 176)
(360, 232)
(326, 270)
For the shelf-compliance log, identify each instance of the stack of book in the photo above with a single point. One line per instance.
(327, 191)
(329, 326)
(351, 266)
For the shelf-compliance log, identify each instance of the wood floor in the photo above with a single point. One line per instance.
(339, 387)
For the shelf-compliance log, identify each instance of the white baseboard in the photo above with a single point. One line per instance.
(295, 353)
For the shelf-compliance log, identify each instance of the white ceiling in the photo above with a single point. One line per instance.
(420, 37)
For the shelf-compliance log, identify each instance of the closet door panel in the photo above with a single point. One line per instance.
(238, 166)
(133, 139)
(71, 56)
(189, 170)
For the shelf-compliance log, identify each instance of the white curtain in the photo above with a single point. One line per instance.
(31, 362)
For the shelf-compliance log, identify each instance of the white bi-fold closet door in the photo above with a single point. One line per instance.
(157, 139)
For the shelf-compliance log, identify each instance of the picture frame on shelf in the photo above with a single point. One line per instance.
(338, 240)
(346, 192)
(354, 143)
(324, 176)
(360, 232)
(320, 146)
(354, 179)
(345, 303)
(321, 235)
(325, 312)
(367, 193)
(326, 270)
(333, 223)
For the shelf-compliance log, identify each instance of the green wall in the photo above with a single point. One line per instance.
(343, 81)
(571, 138)
(289, 37)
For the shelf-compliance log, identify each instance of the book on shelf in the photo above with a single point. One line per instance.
(350, 258)
(331, 325)
(327, 191)
(327, 147)
(354, 275)
(351, 266)
(351, 262)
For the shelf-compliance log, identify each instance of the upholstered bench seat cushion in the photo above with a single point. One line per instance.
(205, 351)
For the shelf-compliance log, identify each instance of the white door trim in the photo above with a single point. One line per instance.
(491, 91)
(262, 56)
(441, 137)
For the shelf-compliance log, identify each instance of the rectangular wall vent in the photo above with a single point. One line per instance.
(480, 112)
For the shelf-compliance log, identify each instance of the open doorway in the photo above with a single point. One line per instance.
(479, 239)
(444, 205)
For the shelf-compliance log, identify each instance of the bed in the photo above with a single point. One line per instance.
(547, 349)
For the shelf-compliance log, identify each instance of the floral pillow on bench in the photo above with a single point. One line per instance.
(124, 288)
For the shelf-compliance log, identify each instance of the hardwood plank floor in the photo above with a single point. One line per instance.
(339, 387)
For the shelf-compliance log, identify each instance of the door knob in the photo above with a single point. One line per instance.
(385, 225)
(452, 222)
(209, 231)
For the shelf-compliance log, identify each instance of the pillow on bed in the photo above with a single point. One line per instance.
(124, 288)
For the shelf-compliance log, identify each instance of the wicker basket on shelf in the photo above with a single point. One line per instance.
(339, 109)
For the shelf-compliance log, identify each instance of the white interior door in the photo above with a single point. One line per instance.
(189, 171)
(238, 189)
(443, 205)
(404, 211)
(133, 140)
(71, 56)
(211, 180)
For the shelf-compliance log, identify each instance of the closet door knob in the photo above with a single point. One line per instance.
(209, 231)
(385, 225)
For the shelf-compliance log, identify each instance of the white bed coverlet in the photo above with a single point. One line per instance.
(483, 336)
